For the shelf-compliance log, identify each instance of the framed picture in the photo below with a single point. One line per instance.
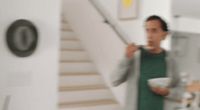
(128, 9)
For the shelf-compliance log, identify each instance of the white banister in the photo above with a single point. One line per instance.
(6, 102)
(111, 21)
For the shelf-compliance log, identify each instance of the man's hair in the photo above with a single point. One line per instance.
(163, 23)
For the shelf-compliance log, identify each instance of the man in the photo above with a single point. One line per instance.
(143, 63)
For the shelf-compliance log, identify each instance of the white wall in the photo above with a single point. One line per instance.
(31, 82)
(189, 8)
(187, 15)
(187, 24)
(101, 42)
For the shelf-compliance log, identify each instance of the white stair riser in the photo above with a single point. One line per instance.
(80, 80)
(71, 44)
(74, 55)
(102, 107)
(74, 96)
(77, 67)
(68, 35)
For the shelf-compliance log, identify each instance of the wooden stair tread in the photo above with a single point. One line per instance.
(72, 50)
(66, 29)
(87, 103)
(74, 61)
(64, 21)
(78, 73)
(82, 87)
(69, 39)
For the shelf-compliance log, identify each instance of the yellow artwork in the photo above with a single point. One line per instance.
(128, 9)
(127, 3)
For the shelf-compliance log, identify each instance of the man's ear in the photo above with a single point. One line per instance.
(165, 35)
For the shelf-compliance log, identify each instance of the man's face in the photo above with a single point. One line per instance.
(155, 34)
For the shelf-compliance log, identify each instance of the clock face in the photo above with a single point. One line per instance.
(22, 38)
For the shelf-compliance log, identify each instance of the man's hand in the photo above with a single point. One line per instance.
(161, 91)
(193, 87)
(130, 50)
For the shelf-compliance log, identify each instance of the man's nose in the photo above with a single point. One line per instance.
(149, 37)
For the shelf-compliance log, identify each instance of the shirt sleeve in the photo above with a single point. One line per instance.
(120, 73)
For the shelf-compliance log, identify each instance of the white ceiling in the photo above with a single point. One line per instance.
(188, 8)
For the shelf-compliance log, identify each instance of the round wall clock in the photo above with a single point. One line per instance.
(22, 38)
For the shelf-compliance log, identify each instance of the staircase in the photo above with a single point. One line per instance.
(81, 87)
